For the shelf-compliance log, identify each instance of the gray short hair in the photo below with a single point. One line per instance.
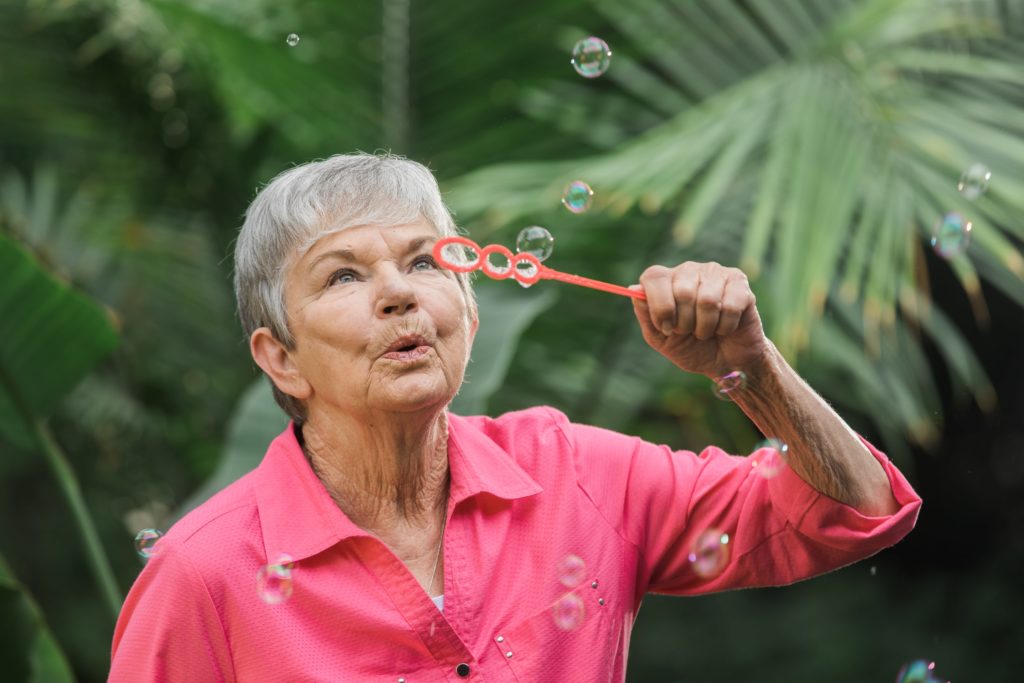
(295, 209)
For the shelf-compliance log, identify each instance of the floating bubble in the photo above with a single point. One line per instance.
(145, 542)
(535, 240)
(577, 196)
(709, 553)
(274, 581)
(767, 459)
(568, 612)
(728, 384)
(292, 39)
(591, 57)
(917, 671)
(571, 571)
(951, 235)
(974, 181)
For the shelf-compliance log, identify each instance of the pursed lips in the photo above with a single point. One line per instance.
(407, 344)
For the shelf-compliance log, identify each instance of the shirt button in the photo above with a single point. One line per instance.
(500, 639)
(462, 669)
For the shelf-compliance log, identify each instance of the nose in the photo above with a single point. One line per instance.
(396, 296)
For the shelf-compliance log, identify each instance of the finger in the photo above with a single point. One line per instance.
(709, 301)
(735, 301)
(643, 316)
(661, 304)
(685, 284)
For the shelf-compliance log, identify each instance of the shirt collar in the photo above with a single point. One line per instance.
(298, 516)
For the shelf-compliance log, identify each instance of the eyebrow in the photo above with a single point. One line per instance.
(348, 255)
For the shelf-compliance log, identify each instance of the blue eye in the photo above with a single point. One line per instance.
(340, 275)
(429, 260)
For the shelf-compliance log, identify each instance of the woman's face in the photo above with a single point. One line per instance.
(378, 324)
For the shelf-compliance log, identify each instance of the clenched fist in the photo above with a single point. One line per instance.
(702, 317)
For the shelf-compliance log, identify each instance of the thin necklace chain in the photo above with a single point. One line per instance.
(437, 557)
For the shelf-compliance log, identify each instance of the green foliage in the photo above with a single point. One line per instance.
(28, 649)
(839, 140)
(60, 337)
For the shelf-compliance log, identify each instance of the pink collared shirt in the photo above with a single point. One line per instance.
(555, 532)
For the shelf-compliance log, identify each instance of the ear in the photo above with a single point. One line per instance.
(275, 360)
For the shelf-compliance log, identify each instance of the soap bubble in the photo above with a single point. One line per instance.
(577, 196)
(535, 240)
(917, 671)
(951, 235)
(709, 553)
(568, 612)
(292, 39)
(571, 571)
(974, 181)
(274, 581)
(591, 57)
(767, 458)
(145, 542)
(728, 384)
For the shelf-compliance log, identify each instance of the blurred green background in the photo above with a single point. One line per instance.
(813, 143)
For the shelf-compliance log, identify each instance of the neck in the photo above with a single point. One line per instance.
(382, 472)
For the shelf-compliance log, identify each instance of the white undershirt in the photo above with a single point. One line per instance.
(439, 601)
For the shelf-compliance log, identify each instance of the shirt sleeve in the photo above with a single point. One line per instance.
(779, 528)
(169, 629)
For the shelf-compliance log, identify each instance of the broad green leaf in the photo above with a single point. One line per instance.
(56, 336)
(28, 649)
(255, 423)
(505, 313)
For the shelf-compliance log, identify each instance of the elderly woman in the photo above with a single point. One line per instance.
(426, 546)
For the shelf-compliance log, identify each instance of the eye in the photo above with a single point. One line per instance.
(343, 276)
(425, 259)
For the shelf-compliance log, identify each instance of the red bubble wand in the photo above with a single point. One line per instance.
(524, 268)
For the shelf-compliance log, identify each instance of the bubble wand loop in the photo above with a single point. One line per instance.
(526, 269)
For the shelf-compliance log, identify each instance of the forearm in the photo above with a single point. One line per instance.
(822, 449)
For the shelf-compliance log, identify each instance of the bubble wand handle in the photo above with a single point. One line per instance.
(463, 255)
(549, 274)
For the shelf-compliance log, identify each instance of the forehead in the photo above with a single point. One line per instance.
(365, 241)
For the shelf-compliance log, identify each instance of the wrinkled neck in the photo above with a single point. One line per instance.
(382, 473)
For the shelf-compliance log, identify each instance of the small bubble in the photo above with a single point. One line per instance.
(917, 671)
(577, 196)
(951, 235)
(145, 542)
(571, 571)
(709, 553)
(292, 39)
(873, 570)
(767, 459)
(274, 581)
(591, 57)
(568, 612)
(728, 384)
(974, 181)
(535, 240)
